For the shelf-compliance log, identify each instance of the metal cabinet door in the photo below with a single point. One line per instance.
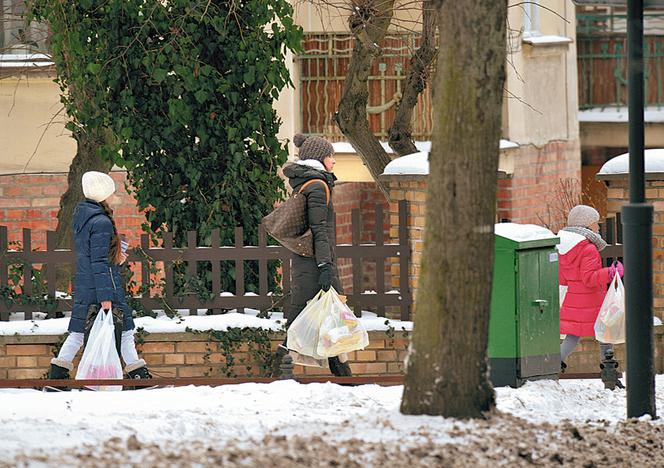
(538, 326)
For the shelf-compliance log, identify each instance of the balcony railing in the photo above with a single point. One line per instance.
(602, 60)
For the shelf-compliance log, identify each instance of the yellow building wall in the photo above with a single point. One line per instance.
(541, 104)
(541, 86)
(32, 133)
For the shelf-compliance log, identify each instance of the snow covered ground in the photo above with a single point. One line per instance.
(45, 429)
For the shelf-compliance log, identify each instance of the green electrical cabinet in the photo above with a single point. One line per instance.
(524, 328)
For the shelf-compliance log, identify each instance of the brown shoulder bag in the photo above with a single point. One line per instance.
(288, 222)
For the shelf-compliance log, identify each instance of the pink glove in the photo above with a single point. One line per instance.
(617, 267)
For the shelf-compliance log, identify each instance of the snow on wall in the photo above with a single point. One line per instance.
(619, 115)
(547, 40)
(654, 162)
(345, 147)
(418, 163)
(523, 232)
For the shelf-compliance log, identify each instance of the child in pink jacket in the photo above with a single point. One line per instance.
(580, 270)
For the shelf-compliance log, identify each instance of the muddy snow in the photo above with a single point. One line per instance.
(283, 424)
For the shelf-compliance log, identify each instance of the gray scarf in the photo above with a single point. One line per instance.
(588, 234)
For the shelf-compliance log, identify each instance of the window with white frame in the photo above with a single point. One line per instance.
(18, 38)
(531, 18)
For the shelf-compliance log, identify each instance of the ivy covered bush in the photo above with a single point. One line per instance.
(187, 89)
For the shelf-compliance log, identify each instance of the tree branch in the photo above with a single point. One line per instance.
(401, 134)
(369, 22)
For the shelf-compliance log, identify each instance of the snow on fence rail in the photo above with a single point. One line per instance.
(27, 262)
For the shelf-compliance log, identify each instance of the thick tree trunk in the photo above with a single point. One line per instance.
(369, 23)
(86, 159)
(447, 370)
(401, 134)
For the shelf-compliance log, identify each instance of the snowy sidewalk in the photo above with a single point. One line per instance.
(244, 414)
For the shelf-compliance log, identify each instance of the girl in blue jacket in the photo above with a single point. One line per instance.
(97, 281)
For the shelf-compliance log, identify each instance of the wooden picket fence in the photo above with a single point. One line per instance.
(18, 265)
(611, 232)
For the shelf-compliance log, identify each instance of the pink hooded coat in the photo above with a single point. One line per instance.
(580, 269)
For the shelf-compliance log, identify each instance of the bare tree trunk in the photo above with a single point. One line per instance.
(401, 131)
(447, 369)
(369, 23)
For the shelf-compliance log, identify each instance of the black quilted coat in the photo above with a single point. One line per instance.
(321, 218)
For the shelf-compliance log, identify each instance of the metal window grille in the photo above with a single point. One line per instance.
(323, 67)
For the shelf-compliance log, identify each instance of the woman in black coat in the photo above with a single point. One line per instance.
(310, 275)
(97, 282)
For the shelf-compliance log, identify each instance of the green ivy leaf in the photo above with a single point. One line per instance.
(159, 74)
(93, 68)
(249, 77)
(201, 96)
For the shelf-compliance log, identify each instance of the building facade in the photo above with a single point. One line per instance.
(540, 114)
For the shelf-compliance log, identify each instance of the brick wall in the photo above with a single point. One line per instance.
(523, 197)
(528, 195)
(191, 355)
(412, 189)
(32, 201)
(363, 196)
(188, 355)
(617, 196)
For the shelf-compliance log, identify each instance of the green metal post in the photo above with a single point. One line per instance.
(637, 218)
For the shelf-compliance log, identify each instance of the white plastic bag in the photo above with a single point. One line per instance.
(302, 334)
(100, 358)
(341, 332)
(562, 292)
(309, 361)
(326, 327)
(610, 323)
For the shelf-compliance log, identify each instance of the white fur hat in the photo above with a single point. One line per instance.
(97, 186)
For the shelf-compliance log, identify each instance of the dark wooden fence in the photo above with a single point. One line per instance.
(17, 265)
(611, 231)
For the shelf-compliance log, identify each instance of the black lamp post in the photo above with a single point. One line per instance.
(637, 216)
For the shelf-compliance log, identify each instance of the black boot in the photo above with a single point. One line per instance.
(275, 373)
(138, 370)
(338, 368)
(563, 366)
(59, 370)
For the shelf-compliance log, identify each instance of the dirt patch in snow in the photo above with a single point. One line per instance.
(502, 440)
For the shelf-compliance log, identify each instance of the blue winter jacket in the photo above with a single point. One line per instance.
(96, 279)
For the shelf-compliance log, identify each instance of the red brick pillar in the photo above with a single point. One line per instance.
(413, 189)
(617, 196)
